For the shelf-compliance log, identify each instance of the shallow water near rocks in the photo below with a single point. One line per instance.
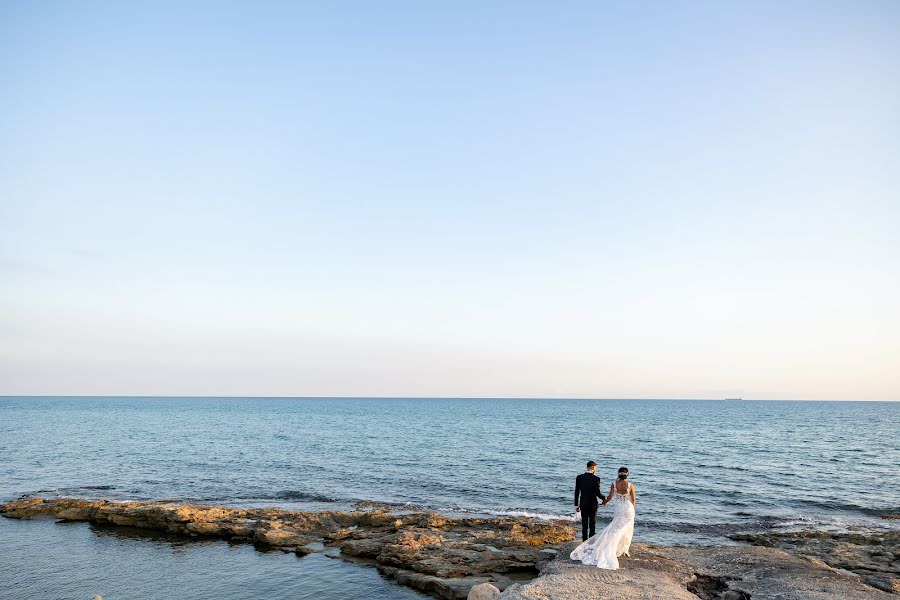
(77, 561)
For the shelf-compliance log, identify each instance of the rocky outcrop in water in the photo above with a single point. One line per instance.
(438, 555)
(875, 557)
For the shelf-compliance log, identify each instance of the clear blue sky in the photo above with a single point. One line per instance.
(602, 199)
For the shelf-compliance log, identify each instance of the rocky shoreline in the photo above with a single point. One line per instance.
(438, 555)
(446, 557)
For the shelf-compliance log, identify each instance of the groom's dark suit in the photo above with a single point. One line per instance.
(587, 495)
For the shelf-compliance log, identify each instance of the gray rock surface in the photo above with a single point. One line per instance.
(645, 575)
(709, 573)
(873, 555)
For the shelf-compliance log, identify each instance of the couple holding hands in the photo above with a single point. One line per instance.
(604, 549)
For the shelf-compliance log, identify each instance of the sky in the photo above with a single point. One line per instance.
(519, 199)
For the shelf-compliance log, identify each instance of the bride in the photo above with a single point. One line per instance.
(604, 548)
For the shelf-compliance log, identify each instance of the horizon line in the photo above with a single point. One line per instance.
(585, 398)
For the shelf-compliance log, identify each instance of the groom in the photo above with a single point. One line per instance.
(587, 492)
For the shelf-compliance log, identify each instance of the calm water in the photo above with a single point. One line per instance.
(702, 469)
(44, 560)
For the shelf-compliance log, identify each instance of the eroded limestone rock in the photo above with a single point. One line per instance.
(440, 555)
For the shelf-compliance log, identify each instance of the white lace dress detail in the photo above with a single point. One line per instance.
(604, 549)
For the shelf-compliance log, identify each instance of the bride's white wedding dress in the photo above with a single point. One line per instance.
(605, 548)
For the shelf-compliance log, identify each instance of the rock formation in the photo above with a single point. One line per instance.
(438, 555)
(875, 557)
(708, 573)
(455, 557)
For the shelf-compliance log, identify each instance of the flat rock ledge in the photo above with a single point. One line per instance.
(442, 556)
(709, 573)
(874, 556)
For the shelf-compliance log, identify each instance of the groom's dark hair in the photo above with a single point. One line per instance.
(591, 464)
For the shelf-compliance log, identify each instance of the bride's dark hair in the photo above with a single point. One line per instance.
(623, 472)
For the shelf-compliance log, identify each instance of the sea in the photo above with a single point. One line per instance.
(702, 470)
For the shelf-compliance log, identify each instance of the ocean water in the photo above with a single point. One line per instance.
(702, 470)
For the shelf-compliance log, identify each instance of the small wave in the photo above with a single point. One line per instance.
(293, 495)
(879, 512)
(697, 528)
(525, 513)
(508, 513)
(74, 489)
(787, 523)
(850, 507)
(298, 495)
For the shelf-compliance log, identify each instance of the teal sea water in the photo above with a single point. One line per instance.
(702, 469)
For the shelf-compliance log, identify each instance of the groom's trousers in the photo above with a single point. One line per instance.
(588, 521)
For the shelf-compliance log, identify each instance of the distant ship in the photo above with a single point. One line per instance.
(732, 399)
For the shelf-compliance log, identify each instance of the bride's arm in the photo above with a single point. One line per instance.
(612, 490)
(633, 496)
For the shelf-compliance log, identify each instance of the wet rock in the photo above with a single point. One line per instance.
(76, 514)
(456, 588)
(35, 508)
(340, 535)
(363, 548)
(369, 505)
(279, 536)
(232, 528)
